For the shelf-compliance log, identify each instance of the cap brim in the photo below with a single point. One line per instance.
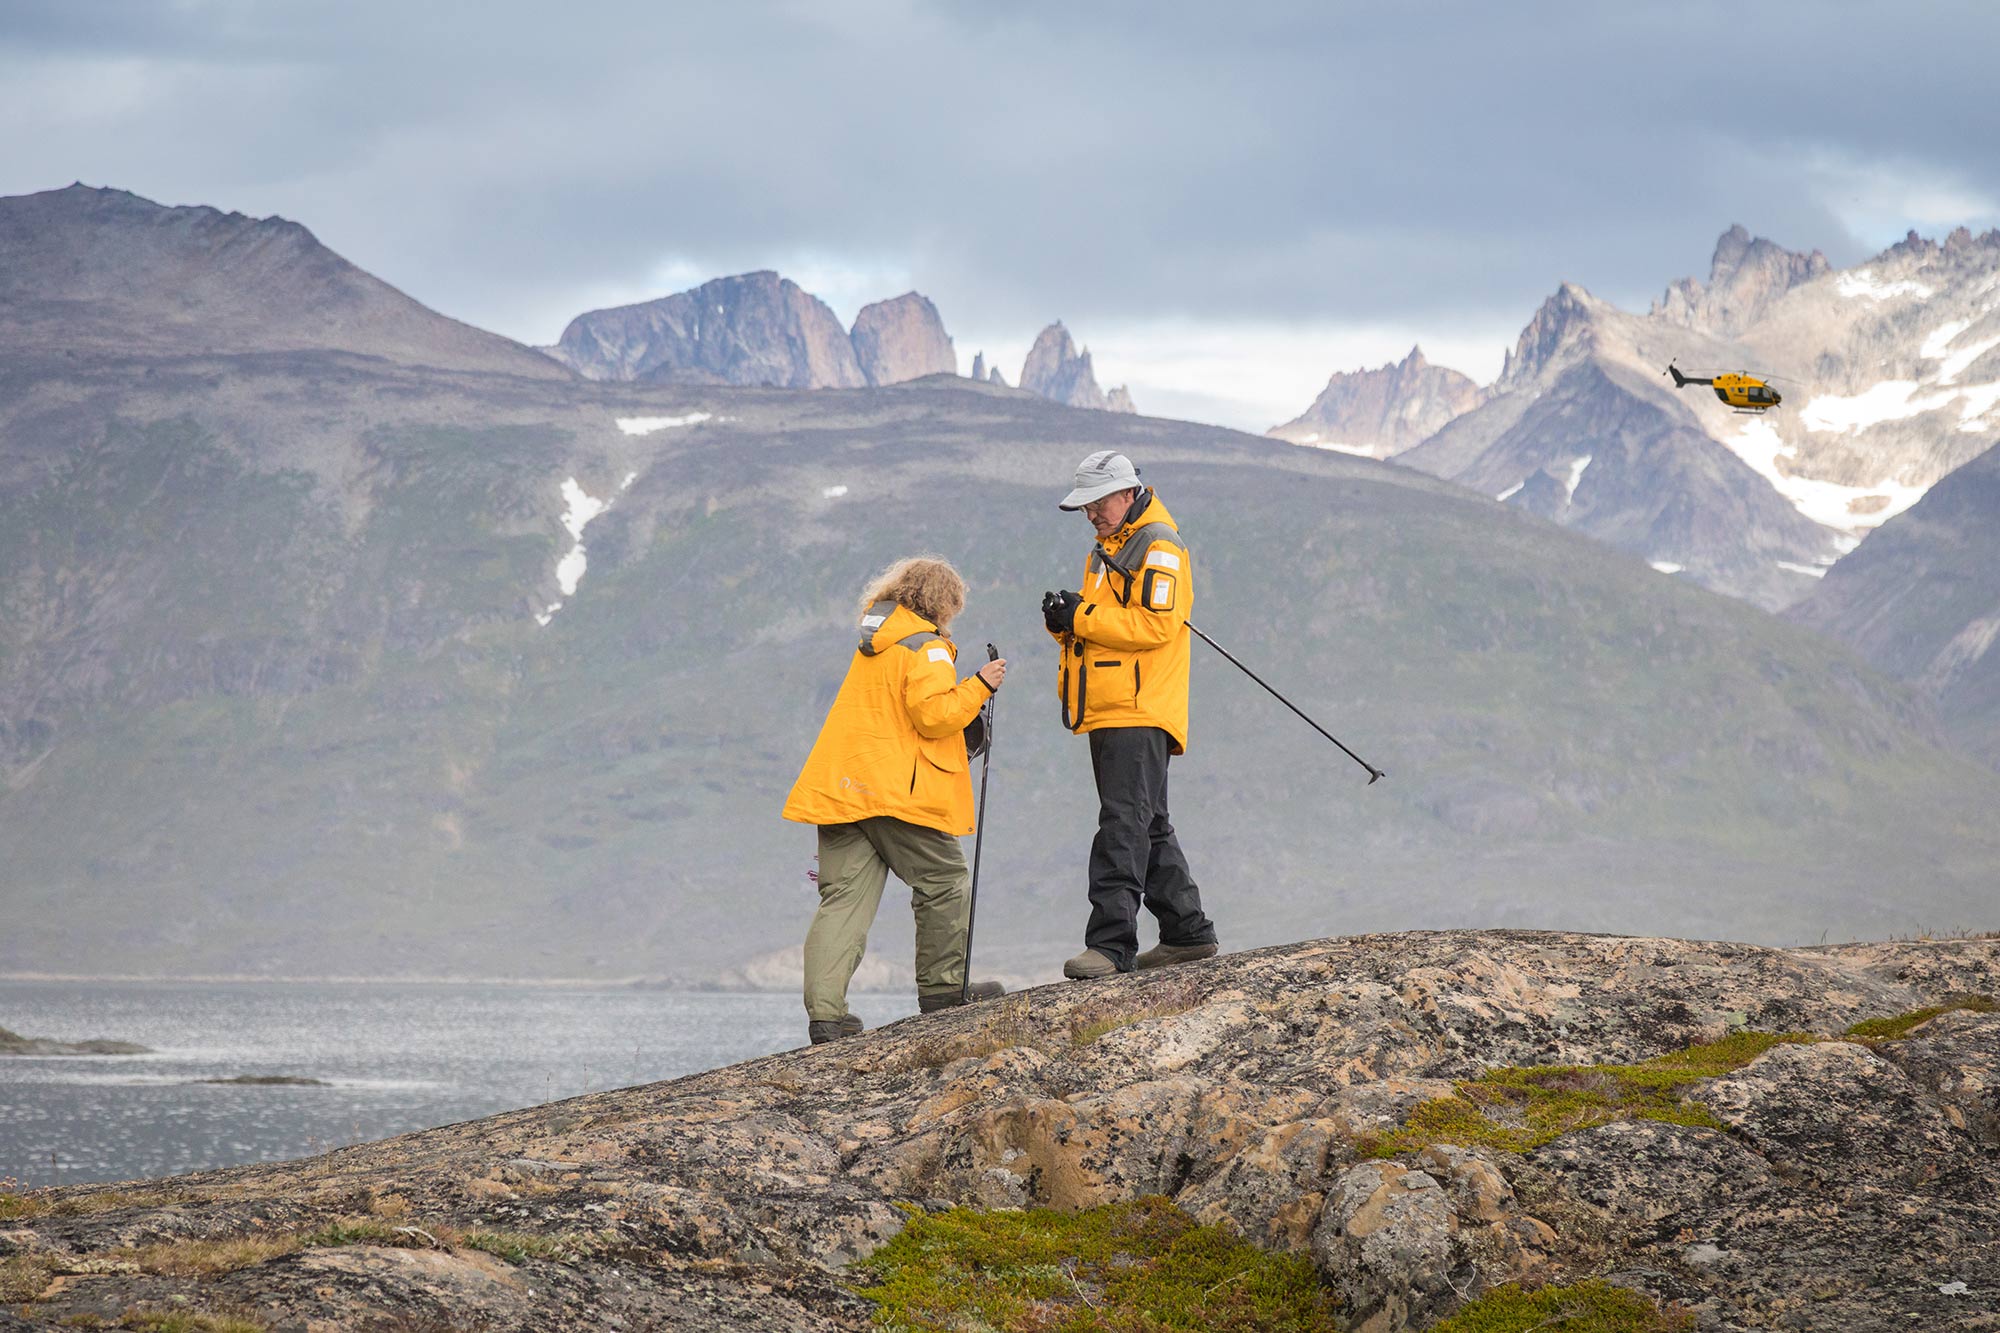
(1083, 495)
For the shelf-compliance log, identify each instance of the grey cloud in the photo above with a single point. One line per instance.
(1106, 162)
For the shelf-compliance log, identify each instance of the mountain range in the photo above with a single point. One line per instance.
(1891, 377)
(1381, 412)
(761, 329)
(350, 640)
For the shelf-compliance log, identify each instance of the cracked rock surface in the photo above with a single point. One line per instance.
(1849, 1184)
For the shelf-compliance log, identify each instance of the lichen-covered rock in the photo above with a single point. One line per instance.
(1849, 1179)
(1955, 1058)
(1407, 1245)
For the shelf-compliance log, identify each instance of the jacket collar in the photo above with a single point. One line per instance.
(896, 622)
(1147, 509)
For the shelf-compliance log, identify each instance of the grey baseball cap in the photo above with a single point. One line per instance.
(1099, 475)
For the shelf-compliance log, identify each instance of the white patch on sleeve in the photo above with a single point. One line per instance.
(1163, 591)
(1164, 559)
(940, 655)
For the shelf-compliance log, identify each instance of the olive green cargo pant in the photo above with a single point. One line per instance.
(854, 863)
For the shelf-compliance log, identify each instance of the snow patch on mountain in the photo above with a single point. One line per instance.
(579, 508)
(1666, 566)
(1824, 502)
(1863, 285)
(1313, 440)
(1576, 468)
(1979, 401)
(647, 425)
(1891, 400)
(1941, 337)
(1957, 362)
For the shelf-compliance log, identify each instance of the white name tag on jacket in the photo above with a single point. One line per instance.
(1164, 559)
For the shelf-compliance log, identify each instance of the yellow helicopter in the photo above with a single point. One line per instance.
(1743, 392)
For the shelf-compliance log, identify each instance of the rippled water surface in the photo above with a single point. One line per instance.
(395, 1057)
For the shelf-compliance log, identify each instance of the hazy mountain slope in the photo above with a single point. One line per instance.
(1921, 600)
(285, 688)
(104, 271)
(277, 722)
(1384, 411)
(1891, 378)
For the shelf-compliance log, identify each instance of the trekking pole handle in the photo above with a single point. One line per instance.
(1374, 774)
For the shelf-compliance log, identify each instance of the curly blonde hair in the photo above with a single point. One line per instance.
(926, 584)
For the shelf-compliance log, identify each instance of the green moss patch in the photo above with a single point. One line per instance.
(1587, 1307)
(24, 1278)
(375, 1231)
(1517, 1109)
(189, 1321)
(1139, 1267)
(14, 1206)
(1894, 1029)
(112, 1201)
(517, 1247)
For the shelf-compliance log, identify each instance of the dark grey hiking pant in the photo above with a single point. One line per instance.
(1136, 857)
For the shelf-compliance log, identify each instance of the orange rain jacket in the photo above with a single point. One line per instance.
(893, 743)
(1126, 664)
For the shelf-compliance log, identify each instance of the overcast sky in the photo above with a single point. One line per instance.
(1225, 201)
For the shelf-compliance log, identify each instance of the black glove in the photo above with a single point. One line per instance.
(1059, 611)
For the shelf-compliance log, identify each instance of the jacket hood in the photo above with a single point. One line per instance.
(900, 623)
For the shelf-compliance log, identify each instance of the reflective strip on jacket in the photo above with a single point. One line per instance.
(893, 743)
(1126, 664)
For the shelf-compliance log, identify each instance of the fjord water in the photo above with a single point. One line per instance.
(395, 1057)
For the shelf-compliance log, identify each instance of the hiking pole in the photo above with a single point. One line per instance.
(978, 837)
(1374, 774)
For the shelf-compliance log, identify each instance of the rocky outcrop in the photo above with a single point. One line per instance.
(1746, 277)
(755, 329)
(902, 339)
(1560, 332)
(1823, 1181)
(979, 366)
(1383, 411)
(13, 1043)
(1056, 370)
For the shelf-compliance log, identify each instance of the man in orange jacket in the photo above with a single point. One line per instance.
(889, 785)
(1124, 682)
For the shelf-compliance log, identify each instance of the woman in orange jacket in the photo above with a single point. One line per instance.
(890, 787)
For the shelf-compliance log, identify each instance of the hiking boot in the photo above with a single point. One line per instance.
(951, 999)
(1088, 966)
(823, 1030)
(1166, 955)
